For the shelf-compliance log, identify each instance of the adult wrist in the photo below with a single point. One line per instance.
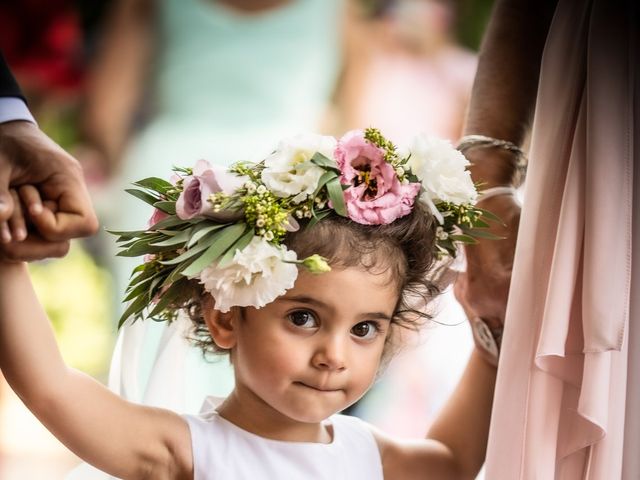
(494, 162)
(487, 337)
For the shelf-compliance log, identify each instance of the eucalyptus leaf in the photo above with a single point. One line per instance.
(463, 238)
(142, 195)
(491, 216)
(478, 233)
(134, 309)
(326, 177)
(175, 240)
(202, 231)
(242, 242)
(166, 206)
(323, 161)
(170, 221)
(168, 297)
(317, 217)
(223, 240)
(125, 236)
(337, 197)
(186, 255)
(154, 183)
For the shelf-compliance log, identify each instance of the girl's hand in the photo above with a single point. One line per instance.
(483, 289)
(18, 234)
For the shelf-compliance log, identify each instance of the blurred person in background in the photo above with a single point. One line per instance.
(568, 384)
(412, 78)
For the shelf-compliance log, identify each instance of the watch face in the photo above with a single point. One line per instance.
(484, 337)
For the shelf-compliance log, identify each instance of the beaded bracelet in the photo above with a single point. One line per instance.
(482, 141)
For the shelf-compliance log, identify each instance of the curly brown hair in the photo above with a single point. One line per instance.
(405, 248)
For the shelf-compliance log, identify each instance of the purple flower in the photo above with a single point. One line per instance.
(205, 181)
(375, 196)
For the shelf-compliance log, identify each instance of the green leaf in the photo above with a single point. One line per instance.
(201, 231)
(168, 297)
(463, 238)
(324, 162)
(170, 221)
(134, 308)
(142, 247)
(166, 206)
(337, 198)
(223, 240)
(126, 235)
(154, 183)
(177, 239)
(186, 255)
(326, 177)
(317, 217)
(176, 273)
(242, 242)
(144, 196)
(491, 216)
(478, 233)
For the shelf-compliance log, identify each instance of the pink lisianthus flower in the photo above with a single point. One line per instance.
(206, 180)
(375, 196)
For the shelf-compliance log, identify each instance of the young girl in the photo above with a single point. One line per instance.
(305, 269)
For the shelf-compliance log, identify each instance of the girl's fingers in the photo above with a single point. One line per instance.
(17, 224)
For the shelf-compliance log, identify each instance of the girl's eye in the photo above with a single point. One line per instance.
(303, 319)
(366, 330)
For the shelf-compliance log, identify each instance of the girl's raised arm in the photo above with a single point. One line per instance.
(121, 438)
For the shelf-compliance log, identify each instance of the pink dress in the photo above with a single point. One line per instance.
(568, 388)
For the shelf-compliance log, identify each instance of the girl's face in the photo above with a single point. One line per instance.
(315, 350)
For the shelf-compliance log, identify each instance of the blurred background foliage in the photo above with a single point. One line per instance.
(76, 295)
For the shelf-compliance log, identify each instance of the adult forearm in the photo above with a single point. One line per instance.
(463, 425)
(117, 77)
(29, 356)
(504, 91)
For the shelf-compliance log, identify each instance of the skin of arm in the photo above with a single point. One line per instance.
(455, 446)
(123, 439)
(117, 78)
(28, 156)
(501, 106)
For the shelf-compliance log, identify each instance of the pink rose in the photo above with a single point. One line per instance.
(206, 180)
(376, 196)
(157, 216)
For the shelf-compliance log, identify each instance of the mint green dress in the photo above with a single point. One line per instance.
(227, 87)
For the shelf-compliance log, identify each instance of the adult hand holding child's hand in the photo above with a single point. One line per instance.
(37, 167)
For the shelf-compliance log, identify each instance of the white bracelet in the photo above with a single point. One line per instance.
(496, 191)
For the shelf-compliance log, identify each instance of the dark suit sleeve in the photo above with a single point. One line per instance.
(8, 85)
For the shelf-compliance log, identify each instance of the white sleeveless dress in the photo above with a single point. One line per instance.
(222, 450)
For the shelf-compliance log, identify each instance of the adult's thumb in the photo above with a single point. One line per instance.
(6, 202)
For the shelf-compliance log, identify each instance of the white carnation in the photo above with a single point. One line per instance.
(256, 276)
(442, 171)
(289, 171)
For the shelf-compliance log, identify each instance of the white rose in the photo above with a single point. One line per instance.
(442, 171)
(289, 170)
(256, 276)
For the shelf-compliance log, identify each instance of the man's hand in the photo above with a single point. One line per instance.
(29, 157)
(483, 289)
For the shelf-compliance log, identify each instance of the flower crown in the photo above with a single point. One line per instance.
(225, 226)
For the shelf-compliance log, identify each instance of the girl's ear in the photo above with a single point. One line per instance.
(220, 325)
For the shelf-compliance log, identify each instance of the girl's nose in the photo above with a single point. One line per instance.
(330, 354)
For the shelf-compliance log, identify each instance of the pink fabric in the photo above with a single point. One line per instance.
(560, 405)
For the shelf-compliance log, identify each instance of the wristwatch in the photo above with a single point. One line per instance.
(487, 338)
